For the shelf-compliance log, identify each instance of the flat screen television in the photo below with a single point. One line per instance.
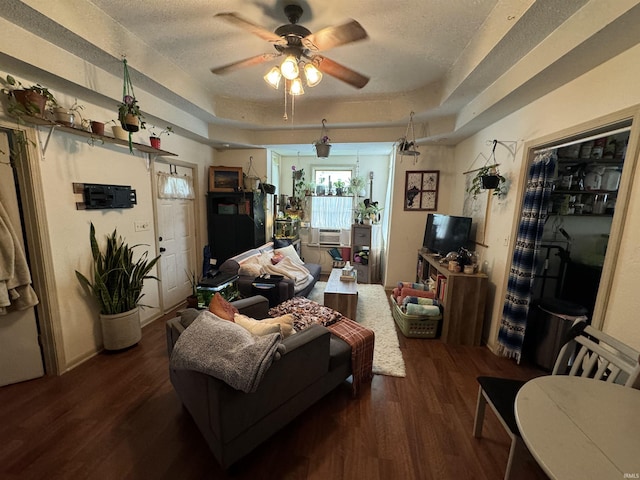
(446, 233)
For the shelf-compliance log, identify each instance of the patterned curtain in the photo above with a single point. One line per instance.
(521, 275)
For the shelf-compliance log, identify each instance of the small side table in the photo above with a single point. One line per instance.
(268, 287)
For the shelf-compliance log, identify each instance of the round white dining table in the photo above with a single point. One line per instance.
(580, 428)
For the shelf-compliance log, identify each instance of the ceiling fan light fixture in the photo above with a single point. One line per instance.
(296, 87)
(289, 68)
(312, 75)
(273, 77)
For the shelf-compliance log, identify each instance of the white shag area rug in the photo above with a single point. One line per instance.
(374, 312)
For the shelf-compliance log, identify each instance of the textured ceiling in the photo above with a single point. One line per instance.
(459, 65)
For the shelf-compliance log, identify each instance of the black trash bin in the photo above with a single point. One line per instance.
(551, 322)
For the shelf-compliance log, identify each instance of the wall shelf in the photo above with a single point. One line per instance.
(97, 138)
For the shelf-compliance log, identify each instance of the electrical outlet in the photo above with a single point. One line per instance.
(141, 226)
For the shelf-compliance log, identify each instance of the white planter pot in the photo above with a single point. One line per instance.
(121, 330)
(120, 133)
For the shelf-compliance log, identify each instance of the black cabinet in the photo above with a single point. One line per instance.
(235, 223)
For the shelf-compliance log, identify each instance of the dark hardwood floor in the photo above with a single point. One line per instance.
(117, 417)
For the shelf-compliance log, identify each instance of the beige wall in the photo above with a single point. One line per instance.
(68, 159)
(609, 88)
(406, 228)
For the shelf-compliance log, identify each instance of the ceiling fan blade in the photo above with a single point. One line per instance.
(331, 37)
(257, 30)
(248, 62)
(328, 66)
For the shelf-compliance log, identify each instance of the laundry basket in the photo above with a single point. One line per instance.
(415, 326)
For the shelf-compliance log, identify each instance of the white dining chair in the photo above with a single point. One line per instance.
(587, 352)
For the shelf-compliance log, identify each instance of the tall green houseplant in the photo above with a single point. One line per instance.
(117, 287)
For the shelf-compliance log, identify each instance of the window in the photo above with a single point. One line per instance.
(325, 180)
(329, 210)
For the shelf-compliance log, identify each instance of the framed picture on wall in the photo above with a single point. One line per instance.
(225, 179)
(421, 190)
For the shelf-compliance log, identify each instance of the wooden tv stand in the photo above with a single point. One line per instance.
(464, 300)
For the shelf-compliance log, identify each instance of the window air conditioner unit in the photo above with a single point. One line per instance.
(329, 236)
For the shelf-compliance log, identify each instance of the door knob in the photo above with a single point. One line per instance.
(162, 249)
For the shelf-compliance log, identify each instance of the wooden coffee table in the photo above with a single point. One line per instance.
(341, 296)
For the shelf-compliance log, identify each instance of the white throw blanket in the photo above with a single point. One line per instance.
(226, 351)
(288, 268)
(15, 279)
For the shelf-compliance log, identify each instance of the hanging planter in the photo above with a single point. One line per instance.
(490, 182)
(129, 114)
(407, 145)
(323, 147)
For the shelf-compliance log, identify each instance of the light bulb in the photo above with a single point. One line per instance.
(273, 77)
(296, 87)
(289, 68)
(312, 75)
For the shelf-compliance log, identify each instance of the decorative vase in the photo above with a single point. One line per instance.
(120, 133)
(130, 122)
(490, 182)
(322, 150)
(33, 102)
(121, 330)
(97, 127)
(155, 142)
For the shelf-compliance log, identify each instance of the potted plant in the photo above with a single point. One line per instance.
(192, 300)
(155, 135)
(69, 117)
(97, 127)
(117, 287)
(487, 178)
(356, 186)
(339, 184)
(407, 147)
(368, 212)
(129, 114)
(323, 147)
(30, 101)
(118, 132)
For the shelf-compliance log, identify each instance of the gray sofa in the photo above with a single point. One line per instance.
(232, 422)
(285, 287)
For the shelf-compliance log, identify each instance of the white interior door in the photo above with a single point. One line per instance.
(20, 353)
(176, 239)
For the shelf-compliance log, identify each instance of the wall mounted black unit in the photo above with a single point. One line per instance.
(98, 196)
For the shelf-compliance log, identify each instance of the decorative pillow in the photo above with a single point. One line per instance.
(290, 252)
(221, 308)
(285, 322)
(277, 257)
(256, 327)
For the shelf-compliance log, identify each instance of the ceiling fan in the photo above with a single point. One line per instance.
(295, 40)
